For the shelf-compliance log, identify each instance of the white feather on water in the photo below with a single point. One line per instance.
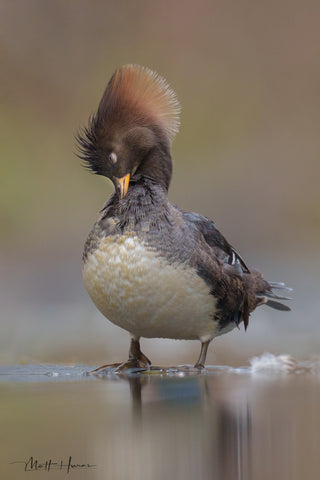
(274, 363)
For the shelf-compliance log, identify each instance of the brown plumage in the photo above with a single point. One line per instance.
(136, 96)
(150, 267)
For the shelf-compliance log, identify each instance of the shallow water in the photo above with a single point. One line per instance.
(257, 422)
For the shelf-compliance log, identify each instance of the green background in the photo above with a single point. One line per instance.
(247, 156)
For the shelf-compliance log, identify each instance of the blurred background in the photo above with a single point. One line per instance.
(247, 156)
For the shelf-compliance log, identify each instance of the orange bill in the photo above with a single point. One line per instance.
(123, 184)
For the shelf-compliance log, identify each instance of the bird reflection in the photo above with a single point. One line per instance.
(234, 433)
(193, 426)
(136, 384)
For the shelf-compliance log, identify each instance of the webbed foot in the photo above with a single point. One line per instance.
(132, 365)
(137, 362)
(104, 368)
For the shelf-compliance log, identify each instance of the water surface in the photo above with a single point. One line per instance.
(259, 422)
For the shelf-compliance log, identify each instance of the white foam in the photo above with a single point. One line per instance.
(269, 362)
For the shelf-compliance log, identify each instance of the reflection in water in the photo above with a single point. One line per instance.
(181, 427)
(234, 442)
(221, 425)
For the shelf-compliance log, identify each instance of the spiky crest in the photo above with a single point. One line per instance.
(137, 95)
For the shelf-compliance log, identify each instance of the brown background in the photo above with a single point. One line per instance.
(247, 156)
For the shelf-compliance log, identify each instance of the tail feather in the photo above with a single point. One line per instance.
(280, 286)
(277, 297)
(268, 297)
(277, 305)
(260, 292)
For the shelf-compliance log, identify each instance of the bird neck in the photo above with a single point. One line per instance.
(157, 165)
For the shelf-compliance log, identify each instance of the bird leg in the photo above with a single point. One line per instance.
(203, 353)
(137, 359)
(135, 352)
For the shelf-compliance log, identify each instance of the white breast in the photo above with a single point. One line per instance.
(140, 291)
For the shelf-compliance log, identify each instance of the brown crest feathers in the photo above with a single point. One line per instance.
(137, 95)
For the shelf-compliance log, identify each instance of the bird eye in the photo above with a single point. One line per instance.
(113, 157)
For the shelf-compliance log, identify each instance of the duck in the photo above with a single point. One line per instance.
(149, 267)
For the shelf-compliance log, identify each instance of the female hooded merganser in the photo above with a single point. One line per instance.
(148, 266)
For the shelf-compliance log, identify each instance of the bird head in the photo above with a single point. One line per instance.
(132, 131)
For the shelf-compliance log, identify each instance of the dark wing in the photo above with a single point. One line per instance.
(237, 294)
(227, 282)
(221, 248)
